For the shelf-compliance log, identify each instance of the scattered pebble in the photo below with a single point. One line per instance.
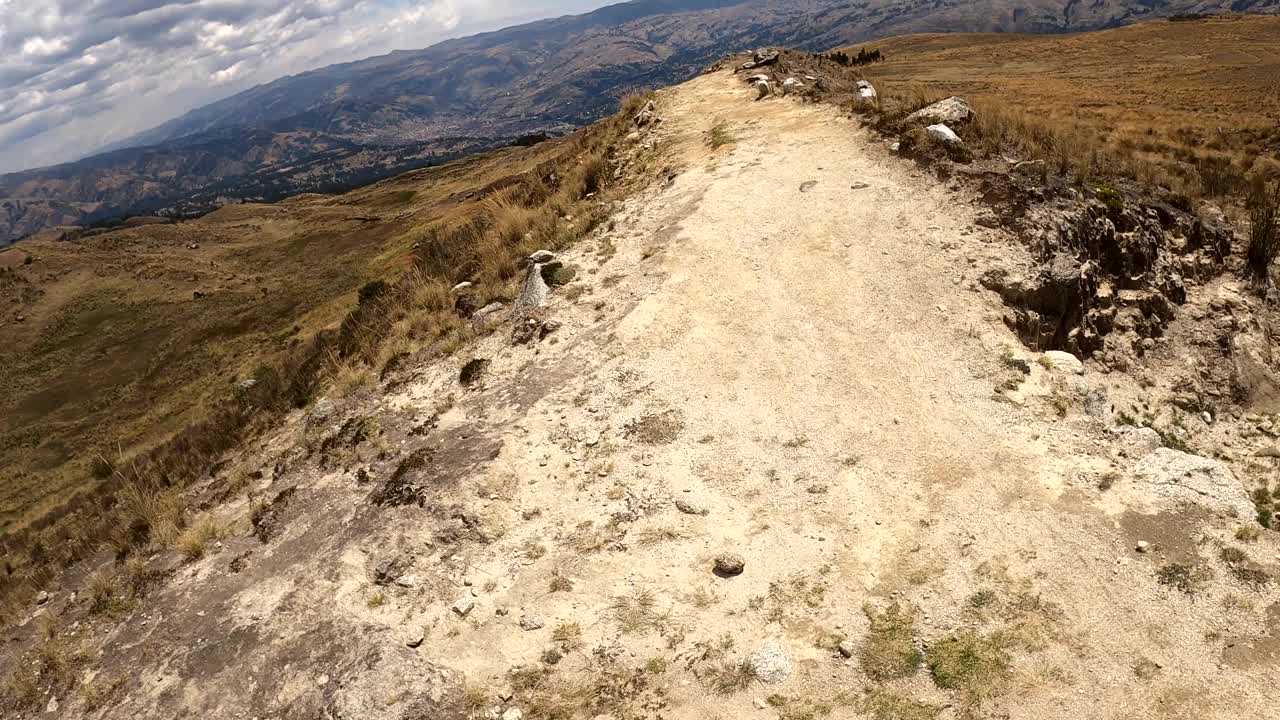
(691, 507)
(730, 564)
(464, 606)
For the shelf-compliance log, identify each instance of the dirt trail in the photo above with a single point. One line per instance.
(781, 353)
(811, 324)
(814, 323)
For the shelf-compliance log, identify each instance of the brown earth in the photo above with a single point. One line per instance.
(783, 354)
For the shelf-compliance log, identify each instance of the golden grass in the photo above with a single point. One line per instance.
(1191, 105)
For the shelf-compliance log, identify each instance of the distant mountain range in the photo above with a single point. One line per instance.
(349, 124)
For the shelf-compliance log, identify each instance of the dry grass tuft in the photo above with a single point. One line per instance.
(656, 428)
(889, 705)
(194, 541)
(1264, 228)
(889, 651)
(568, 635)
(637, 611)
(976, 665)
(720, 135)
(560, 583)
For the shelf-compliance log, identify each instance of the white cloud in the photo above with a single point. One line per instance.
(78, 74)
(41, 47)
(227, 74)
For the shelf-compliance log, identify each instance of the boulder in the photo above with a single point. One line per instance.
(944, 135)
(1062, 362)
(763, 89)
(952, 111)
(760, 59)
(1177, 476)
(533, 294)
(866, 93)
(791, 85)
(1251, 353)
(542, 257)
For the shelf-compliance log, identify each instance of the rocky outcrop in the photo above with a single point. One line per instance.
(1114, 263)
(534, 292)
(1181, 477)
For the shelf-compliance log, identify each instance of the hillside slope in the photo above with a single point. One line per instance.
(346, 124)
(779, 456)
(117, 340)
(1184, 96)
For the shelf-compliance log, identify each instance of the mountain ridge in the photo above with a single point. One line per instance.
(336, 127)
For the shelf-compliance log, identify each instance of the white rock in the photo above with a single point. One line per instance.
(953, 110)
(791, 85)
(1062, 362)
(763, 89)
(465, 285)
(1139, 442)
(866, 93)
(1190, 478)
(513, 714)
(943, 134)
(464, 606)
(407, 581)
(770, 663)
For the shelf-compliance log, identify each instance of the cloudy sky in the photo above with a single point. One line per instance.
(78, 74)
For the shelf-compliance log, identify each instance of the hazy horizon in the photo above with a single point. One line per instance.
(77, 79)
